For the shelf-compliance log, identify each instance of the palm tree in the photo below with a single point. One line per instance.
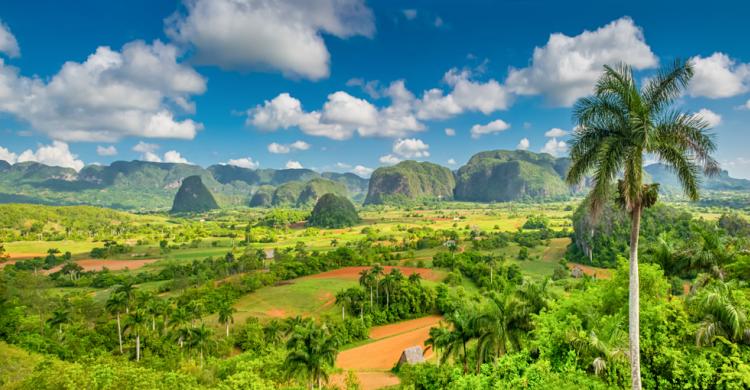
(616, 128)
(59, 317)
(226, 315)
(499, 327)
(312, 350)
(200, 338)
(463, 330)
(367, 280)
(721, 314)
(179, 321)
(116, 303)
(439, 338)
(137, 323)
(126, 288)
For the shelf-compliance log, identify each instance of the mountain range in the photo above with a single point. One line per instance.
(491, 176)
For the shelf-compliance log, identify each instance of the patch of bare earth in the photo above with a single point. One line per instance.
(599, 273)
(371, 362)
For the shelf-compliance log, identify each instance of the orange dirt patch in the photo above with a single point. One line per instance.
(384, 352)
(112, 265)
(600, 273)
(26, 255)
(276, 313)
(7, 262)
(368, 380)
(353, 273)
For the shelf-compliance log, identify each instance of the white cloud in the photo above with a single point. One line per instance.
(144, 147)
(277, 148)
(718, 76)
(747, 105)
(737, 167)
(291, 164)
(57, 154)
(495, 126)
(245, 162)
(173, 156)
(713, 119)
(346, 110)
(8, 43)
(110, 150)
(438, 22)
(342, 165)
(111, 95)
(555, 133)
(7, 155)
(282, 35)
(389, 159)
(411, 148)
(450, 132)
(409, 14)
(567, 68)
(362, 170)
(523, 144)
(555, 147)
(342, 115)
(466, 95)
(451, 161)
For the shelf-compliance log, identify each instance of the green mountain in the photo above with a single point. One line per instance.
(263, 197)
(669, 184)
(410, 180)
(193, 197)
(504, 175)
(286, 195)
(316, 188)
(333, 211)
(146, 186)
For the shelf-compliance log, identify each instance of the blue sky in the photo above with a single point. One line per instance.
(343, 85)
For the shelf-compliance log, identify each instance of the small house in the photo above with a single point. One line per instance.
(411, 355)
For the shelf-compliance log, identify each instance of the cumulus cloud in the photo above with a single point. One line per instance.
(466, 95)
(173, 156)
(555, 147)
(110, 150)
(738, 167)
(718, 76)
(277, 148)
(291, 164)
(450, 132)
(371, 88)
(389, 159)
(495, 126)
(341, 116)
(451, 161)
(713, 119)
(8, 43)
(282, 35)
(523, 144)
(7, 155)
(245, 162)
(567, 68)
(137, 91)
(56, 154)
(747, 105)
(555, 133)
(361, 170)
(411, 148)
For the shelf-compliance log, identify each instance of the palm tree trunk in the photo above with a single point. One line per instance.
(138, 348)
(343, 314)
(370, 297)
(634, 302)
(466, 362)
(119, 332)
(227, 328)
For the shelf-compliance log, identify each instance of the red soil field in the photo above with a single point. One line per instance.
(600, 273)
(372, 361)
(353, 273)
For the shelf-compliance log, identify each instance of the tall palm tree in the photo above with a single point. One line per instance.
(126, 288)
(179, 322)
(439, 339)
(200, 338)
(463, 329)
(226, 315)
(312, 350)
(367, 280)
(721, 314)
(616, 128)
(137, 324)
(116, 304)
(60, 317)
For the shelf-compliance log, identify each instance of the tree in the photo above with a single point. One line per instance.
(616, 128)
(439, 338)
(226, 315)
(60, 317)
(127, 289)
(367, 279)
(463, 329)
(200, 338)
(116, 303)
(721, 314)
(137, 324)
(312, 350)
